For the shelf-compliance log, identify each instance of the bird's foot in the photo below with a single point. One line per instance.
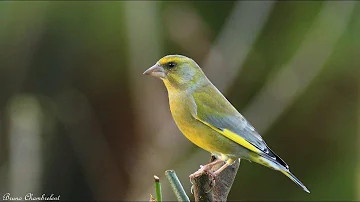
(205, 169)
(213, 177)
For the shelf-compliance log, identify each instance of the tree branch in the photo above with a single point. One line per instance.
(201, 188)
(201, 183)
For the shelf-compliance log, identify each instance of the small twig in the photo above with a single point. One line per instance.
(176, 186)
(158, 189)
(152, 199)
(223, 183)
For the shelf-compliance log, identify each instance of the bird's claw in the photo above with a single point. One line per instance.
(200, 171)
(213, 177)
(213, 182)
(211, 185)
(204, 169)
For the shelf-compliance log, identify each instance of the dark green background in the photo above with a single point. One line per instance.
(50, 49)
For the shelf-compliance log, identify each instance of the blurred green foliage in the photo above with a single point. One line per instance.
(49, 50)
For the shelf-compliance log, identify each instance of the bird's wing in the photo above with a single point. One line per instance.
(215, 111)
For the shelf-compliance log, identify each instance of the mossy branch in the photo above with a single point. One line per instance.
(176, 186)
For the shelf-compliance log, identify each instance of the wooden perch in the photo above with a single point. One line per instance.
(201, 184)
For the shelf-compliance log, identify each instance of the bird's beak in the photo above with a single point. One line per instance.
(156, 71)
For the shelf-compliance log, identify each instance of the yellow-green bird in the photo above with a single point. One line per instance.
(209, 120)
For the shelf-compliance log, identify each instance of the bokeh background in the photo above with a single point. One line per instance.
(78, 118)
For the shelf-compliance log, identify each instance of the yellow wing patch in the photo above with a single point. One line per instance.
(238, 139)
(233, 136)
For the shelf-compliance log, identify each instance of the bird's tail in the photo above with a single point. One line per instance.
(276, 166)
(294, 179)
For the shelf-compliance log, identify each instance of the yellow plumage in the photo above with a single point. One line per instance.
(209, 120)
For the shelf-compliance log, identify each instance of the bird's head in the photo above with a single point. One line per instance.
(177, 71)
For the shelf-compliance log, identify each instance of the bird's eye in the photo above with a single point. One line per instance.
(171, 65)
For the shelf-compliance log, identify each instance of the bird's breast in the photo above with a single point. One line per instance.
(182, 109)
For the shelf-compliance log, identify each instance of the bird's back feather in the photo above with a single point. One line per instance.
(215, 110)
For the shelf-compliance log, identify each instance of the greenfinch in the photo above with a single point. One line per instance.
(209, 120)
